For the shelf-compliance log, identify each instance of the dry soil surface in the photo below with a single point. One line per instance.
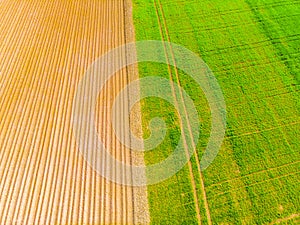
(45, 49)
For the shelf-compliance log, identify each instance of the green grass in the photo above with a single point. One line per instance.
(253, 49)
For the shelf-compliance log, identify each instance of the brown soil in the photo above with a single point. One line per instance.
(45, 48)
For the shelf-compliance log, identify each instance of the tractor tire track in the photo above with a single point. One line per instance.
(163, 24)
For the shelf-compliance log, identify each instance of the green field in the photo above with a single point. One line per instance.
(253, 48)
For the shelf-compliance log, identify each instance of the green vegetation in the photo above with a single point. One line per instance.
(253, 49)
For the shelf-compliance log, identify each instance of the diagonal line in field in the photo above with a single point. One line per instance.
(187, 120)
(185, 144)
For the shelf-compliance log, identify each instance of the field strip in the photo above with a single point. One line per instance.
(45, 49)
(140, 194)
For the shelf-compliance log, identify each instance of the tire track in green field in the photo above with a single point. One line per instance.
(163, 24)
(158, 8)
(197, 160)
